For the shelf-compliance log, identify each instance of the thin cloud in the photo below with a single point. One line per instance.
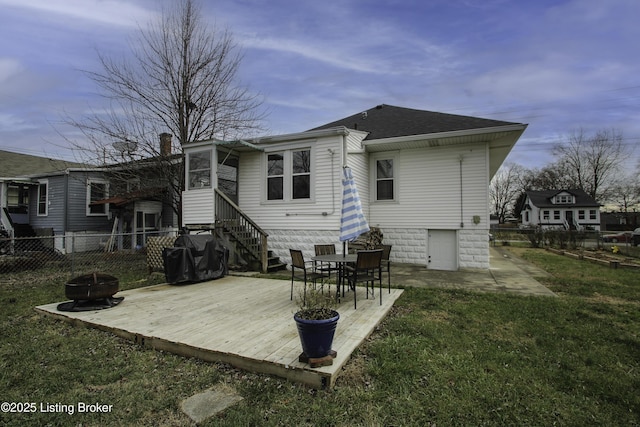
(110, 12)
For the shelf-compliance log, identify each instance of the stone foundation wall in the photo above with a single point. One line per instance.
(473, 249)
(280, 241)
(409, 245)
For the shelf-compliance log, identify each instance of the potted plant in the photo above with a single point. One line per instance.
(316, 320)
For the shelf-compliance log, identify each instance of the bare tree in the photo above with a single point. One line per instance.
(591, 161)
(625, 194)
(180, 79)
(504, 189)
(552, 176)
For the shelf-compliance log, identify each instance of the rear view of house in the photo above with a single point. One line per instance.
(423, 178)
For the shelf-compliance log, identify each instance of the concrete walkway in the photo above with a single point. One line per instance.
(507, 273)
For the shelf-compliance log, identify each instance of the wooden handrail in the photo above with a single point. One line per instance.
(237, 208)
(244, 229)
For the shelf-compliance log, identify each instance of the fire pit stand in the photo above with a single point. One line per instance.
(91, 292)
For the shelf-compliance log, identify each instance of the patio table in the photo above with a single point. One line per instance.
(341, 260)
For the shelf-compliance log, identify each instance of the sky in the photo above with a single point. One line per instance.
(558, 65)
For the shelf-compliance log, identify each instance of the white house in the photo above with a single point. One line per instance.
(565, 209)
(423, 178)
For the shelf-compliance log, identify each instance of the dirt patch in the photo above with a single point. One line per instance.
(611, 300)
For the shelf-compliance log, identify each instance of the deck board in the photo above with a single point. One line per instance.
(247, 322)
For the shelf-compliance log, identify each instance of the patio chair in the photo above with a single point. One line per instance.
(306, 273)
(326, 267)
(386, 264)
(367, 269)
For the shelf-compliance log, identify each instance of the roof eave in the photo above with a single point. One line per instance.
(516, 127)
(258, 143)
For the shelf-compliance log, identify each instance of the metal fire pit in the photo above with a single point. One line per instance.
(91, 292)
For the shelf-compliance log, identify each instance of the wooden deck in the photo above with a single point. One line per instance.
(246, 322)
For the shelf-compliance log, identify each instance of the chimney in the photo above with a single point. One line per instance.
(165, 144)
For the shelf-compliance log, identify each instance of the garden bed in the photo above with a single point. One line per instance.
(599, 257)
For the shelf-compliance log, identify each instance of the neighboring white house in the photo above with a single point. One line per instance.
(423, 178)
(566, 209)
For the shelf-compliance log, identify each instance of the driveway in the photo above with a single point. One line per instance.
(507, 273)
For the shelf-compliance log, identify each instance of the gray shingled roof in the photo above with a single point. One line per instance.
(16, 164)
(387, 121)
(542, 199)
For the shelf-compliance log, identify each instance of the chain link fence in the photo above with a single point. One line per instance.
(623, 243)
(120, 255)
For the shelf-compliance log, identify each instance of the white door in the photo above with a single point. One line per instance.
(442, 250)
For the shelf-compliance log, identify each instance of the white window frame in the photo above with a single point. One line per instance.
(374, 176)
(90, 182)
(281, 176)
(42, 182)
(593, 214)
(545, 215)
(191, 183)
(133, 184)
(564, 199)
(288, 174)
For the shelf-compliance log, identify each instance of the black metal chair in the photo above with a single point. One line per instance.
(386, 263)
(306, 274)
(326, 267)
(367, 269)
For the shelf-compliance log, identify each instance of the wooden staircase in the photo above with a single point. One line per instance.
(249, 240)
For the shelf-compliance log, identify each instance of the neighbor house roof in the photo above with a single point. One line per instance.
(543, 198)
(388, 121)
(17, 164)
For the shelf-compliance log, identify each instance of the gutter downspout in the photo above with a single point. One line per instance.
(461, 196)
(65, 223)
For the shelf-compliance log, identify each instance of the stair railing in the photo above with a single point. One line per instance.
(231, 217)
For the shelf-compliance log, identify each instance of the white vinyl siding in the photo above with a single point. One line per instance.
(428, 194)
(319, 212)
(198, 207)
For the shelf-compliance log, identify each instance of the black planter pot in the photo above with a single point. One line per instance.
(316, 336)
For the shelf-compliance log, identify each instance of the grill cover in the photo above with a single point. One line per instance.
(195, 258)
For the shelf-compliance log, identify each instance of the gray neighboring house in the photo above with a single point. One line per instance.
(563, 209)
(42, 196)
(48, 197)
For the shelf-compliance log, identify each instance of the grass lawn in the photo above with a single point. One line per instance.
(442, 357)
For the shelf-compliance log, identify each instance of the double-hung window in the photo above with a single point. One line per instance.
(97, 190)
(43, 198)
(301, 174)
(275, 176)
(288, 175)
(385, 178)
